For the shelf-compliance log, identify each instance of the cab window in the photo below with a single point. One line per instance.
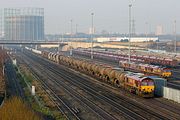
(144, 83)
(150, 83)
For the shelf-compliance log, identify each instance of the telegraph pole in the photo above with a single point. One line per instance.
(92, 32)
(175, 38)
(71, 38)
(146, 36)
(130, 6)
(76, 28)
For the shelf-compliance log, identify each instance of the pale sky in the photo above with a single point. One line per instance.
(110, 15)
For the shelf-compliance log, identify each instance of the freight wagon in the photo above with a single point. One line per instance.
(116, 57)
(138, 84)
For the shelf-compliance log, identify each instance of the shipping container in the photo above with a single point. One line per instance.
(159, 84)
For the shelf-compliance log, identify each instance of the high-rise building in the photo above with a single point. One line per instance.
(92, 30)
(159, 30)
(133, 27)
(24, 23)
(1, 25)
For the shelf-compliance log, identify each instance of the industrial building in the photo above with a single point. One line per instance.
(126, 39)
(23, 24)
(159, 30)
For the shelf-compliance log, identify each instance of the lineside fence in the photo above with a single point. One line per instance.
(171, 94)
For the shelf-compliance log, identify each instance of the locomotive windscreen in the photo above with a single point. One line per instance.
(147, 82)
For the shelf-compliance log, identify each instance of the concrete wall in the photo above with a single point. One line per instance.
(88, 45)
(172, 94)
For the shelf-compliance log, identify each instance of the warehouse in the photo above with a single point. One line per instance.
(126, 39)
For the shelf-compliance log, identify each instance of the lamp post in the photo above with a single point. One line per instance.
(76, 35)
(92, 31)
(71, 38)
(130, 6)
(146, 35)
(76, 29)
(175, 50)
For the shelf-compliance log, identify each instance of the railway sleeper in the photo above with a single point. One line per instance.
(76, 110)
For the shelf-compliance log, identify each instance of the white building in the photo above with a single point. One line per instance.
(92, 30)
(126, 39)
(159, 30)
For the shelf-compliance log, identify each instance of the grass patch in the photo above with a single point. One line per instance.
(41, 101)
(15, 109)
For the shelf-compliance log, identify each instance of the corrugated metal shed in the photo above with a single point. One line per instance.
(159, 84)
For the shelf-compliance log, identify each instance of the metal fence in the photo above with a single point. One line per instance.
(172, 94)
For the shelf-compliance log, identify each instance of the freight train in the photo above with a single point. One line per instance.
(146, 68)
(135, 83)
(116, 57)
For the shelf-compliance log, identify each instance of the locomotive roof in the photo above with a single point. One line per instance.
(137, 77)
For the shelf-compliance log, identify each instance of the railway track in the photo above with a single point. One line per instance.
(14, 86)
(102, 99)
(126, 104)
(96, 110)
(93, 107)
(105, 62)
(174, 85)
(113, 63)
(157, 101)
(174, 111)
(170, 83)
(64, 107)
(108, 100)
(175, 82)
(57, 100)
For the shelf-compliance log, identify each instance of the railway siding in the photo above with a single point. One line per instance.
(172, 83)
(44, 102)
(86, 105)
(75, 82)
(13, 82)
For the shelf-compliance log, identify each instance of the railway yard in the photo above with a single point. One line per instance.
(89, 60)
(173, 81)
(82, 94)
(13, 84)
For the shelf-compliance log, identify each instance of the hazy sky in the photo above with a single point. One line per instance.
(110, 15)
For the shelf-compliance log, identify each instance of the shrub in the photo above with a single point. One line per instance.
(16, 109)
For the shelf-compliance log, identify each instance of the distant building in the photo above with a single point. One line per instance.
(1, 24)
(92, 30)
(159, 30)
(24, 23)
(104, 32)
(126, 39)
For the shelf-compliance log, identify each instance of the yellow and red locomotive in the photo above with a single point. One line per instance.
(140, 85)
(146, 68)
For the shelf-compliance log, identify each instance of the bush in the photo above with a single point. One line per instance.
(16, 109)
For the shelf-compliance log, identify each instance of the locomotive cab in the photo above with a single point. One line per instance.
(147, 87)
(139, 84)
(166, 72)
